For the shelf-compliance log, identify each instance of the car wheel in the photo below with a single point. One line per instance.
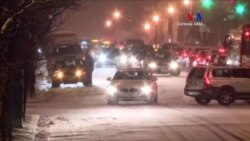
(152, 100)
(55, 84)
(87, 82)
(226, 96)
(176, 73)
(203, 100)
(156, 98)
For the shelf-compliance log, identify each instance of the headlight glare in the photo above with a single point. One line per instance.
(173, 65)
(133, 60)
(146, 89)
(152, 65)
(102, 58)
(123, 59)
(112, 90)
(78, 73)
(59, 74)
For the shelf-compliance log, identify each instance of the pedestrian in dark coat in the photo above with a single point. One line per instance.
(89, 66)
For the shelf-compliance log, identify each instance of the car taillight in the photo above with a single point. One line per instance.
(222, 50)
(185, 54)
(198, 59)
(209, 57)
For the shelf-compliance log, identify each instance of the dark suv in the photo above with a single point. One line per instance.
(223, 83)
(70, 70)
(163, 62)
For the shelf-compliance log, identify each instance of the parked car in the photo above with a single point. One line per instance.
(133, 84)
(223, 83)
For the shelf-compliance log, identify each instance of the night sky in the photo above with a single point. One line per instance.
(90, 23)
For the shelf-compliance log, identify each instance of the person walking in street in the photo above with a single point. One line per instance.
(89, 65)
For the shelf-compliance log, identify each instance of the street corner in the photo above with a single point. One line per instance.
(28, 130)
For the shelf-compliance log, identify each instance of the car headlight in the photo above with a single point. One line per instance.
(123, 59)
(152, 65)
(195, 64)
(229, 62)
(79, 73)
(174, 65)
(112, 90)
(102, 58)
(146, 89)
(133, 60)
(59, 74)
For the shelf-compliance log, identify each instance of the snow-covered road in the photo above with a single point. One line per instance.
(82, 114)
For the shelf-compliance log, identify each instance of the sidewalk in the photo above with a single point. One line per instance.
(27, 133)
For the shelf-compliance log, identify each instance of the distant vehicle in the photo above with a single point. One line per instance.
(132, 53)
(132, 84)
(237, 45)
(223, 83)
(69, 70)
(170, 46)
(106, 56)
(163, 62)
(62, 45)
(129, 58)
(132, 43)
(203, 57)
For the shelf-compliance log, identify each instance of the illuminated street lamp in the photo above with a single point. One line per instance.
(108, 23)
(186, 2)
(171, 10)
(147, 26)
(117, 15)
(156, 18)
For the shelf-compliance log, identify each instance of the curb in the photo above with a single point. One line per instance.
(28, 131)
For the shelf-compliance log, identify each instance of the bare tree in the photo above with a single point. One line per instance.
(24, 24)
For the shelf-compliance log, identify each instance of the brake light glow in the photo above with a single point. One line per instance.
(185, 54)
(209, 57)
(247, 33)
(222, 50)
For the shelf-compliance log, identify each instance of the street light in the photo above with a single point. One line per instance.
(156, 18)
(186, 2)
(171, 9)
(108, 23)
(147, 26)
(117, 15)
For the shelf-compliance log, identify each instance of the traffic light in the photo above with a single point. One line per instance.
(240, 9)
(207, 4)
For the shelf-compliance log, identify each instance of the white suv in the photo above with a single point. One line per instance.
(223, 83)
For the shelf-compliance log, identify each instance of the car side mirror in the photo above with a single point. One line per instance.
(109, 79)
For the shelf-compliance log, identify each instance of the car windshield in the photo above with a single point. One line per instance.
(162, 56)
(67, 49)
(197, 73)
(131, 75)
(70, 63)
